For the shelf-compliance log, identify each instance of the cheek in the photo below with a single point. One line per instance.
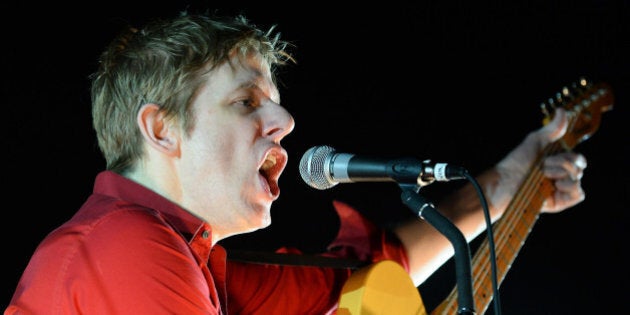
(206, 148)
(222, 141)
(212, 149)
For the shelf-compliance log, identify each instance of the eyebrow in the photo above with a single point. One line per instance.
(255, 82)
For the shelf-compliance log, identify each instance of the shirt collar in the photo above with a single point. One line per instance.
(115, 185)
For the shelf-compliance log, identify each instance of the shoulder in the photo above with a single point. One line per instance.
(121, 234)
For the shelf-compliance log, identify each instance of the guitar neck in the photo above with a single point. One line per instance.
(511, 231)
(513, 228)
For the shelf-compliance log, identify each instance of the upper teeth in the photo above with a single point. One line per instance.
(269, 162)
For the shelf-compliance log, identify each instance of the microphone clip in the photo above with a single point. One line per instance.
(442, 172)
(426, 176)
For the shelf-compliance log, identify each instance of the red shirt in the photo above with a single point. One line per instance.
(129, 250)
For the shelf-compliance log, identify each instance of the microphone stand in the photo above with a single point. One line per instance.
(427, 211)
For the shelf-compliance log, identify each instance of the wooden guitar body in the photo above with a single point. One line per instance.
(382, 288)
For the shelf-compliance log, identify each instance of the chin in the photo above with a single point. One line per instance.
(264, 221)
(260, 220)
(263, 214)
(255, 227)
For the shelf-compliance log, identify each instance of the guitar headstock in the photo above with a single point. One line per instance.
(584, 102)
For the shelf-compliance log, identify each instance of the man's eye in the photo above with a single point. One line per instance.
(250, 103)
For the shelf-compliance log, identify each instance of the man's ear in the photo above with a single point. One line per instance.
(158, 131)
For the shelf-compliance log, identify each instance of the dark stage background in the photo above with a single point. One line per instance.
(443, 80)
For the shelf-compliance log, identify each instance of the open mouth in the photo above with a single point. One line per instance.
(271, 168)
(269, 163)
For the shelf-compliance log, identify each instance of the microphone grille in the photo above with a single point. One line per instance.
(314, 167)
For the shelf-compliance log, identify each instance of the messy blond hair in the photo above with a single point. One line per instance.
(164, 63)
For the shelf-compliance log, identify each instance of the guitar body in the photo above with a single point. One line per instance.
(383, 288)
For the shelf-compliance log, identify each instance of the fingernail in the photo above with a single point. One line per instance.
(580, 162)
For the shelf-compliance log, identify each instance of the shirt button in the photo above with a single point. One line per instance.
(205, 234)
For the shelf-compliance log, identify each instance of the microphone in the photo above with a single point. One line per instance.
(321, 167)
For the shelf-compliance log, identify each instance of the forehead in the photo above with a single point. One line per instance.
(249, 73)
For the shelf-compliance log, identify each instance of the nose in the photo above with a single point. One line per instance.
(277, 122)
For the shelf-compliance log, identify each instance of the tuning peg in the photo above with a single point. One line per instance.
(543, 109)
(566, 92)
(559, 99)
(583, 82)
(580, 88)
(547, 109)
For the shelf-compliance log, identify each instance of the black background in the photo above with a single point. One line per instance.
(441, 80)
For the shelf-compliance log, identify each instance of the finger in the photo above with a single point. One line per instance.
(556, 128)
(568, 186)
(568, 193)
(567, 164)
